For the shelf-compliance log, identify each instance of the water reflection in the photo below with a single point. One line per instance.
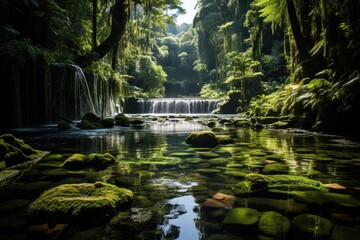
(172, 180)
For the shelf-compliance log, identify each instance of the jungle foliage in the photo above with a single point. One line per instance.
(282, 57)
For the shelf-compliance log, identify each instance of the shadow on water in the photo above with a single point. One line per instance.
(175, 185)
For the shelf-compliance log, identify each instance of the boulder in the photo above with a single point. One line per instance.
(241, 217)
(91, 117)
(95, 160)
(82, 204)
(312, 226)
(274, 224)
(122, 120)
(224, 139)
(202, 139)
(258, 181)
(14, 151)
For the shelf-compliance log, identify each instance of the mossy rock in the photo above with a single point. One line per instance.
(91, 117)
(101, 161)
(258, 181)
(329, 198)
(209, 171)
(284, 206)
(275, 168)
(224, 139)
(208, 155)
(241, 217)
(82, 204)
(122, 120)
(274, 224)
(192, 160)
(312, 226)
(14, 151)
(84, 124)
(182, 154)
(107, 122)
(95, 160)
(342, 233)
(202, 139)
(76, 162)
(136, 122)
(218, 161)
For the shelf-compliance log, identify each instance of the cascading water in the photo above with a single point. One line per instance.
(177, 105)
(68, 93)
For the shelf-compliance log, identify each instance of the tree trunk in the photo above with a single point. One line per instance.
(94, 24)
(115, 55)
(295, 27)
(118, 23)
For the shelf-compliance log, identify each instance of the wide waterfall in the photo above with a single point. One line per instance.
(68, 93)
(177, 105)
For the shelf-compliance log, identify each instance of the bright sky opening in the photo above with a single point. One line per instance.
(189, 6)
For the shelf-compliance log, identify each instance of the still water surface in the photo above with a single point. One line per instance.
(172, 181)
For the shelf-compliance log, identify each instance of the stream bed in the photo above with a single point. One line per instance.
(186, 193)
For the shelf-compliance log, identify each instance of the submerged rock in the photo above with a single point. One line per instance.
(258, 181)
(274, 224)
(83, 203)
(241, 217)
(312, 226)
(202, 139)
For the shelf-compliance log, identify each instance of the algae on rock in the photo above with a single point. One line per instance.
(82, 203)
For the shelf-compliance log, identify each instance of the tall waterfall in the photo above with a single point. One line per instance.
(68, 93)
(177, 105)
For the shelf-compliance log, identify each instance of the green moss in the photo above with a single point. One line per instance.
(84, 124)
(14, 151)
(224, 139)
(202, 139)
(275, 168)
(258, 181)
(122, 120)
(95, 160)
(209, 171)
(101, 161)
(218, 161)
(86, 202)
(76, 162)
(208, 155)
(312, 226)
(274, 224)
(241, 216)
(318, 197)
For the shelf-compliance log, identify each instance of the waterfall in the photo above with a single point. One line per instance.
(177, 105)
(68, 93)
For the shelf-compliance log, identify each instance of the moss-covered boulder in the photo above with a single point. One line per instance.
(82, 204)
(241, 217)
(208, 155)
(76, 162)
(258, 181)
(202, 139)
(14, 151)
(274, 224)
(275, 168)
(101, 161)
(92, 121)
(91, 117)
(85, 124)
(107, 122)
(95, 160)
(312, 226)
(122, 120)
(224, 139)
